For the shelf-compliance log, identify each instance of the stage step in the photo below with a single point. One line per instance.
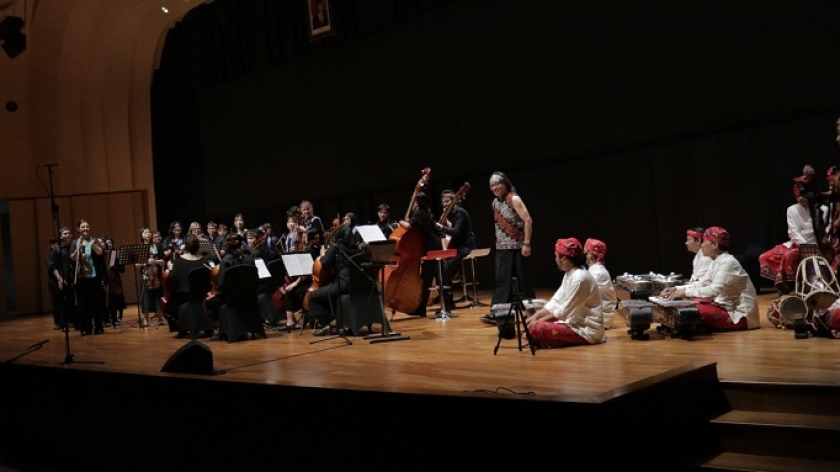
(778, 427)
(736, 462)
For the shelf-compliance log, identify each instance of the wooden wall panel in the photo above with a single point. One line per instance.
(27, 260)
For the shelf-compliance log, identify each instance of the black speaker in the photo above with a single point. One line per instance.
(192, 358)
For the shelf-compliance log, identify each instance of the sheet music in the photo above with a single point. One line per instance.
(298, 264)
(262, 269)
(371, 233)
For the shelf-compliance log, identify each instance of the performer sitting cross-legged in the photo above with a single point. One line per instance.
(725, 296)
(573, 315)
(595, 252)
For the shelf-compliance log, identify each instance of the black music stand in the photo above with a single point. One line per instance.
(136, 255)
(474, 283)
(381, 250)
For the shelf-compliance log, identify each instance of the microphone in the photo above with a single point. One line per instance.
(47, 165)
(38, 345)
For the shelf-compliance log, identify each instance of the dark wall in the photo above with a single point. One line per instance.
(625, 122)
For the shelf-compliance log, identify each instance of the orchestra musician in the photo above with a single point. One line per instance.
(513, 229)
(573, 315)
(459, 228)
(86, 252)
(295, 287)
(725, 297)
(322, 300)
(313, 227)
(60, 278)
(421, 218)
(152, 275)
(238, 228)
(174, 242)
(179, 282)
(385, 224)
(114, 294)
(234, 255)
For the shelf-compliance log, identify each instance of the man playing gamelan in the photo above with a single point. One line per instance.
(725, 297)
(595, 252)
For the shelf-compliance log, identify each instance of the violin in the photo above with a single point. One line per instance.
(152, 277)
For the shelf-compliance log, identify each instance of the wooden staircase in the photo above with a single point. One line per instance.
(778, 428)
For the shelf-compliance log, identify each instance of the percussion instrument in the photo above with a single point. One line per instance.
(677, 318)
(785, 309)
(816, 283)
(639, 316)
(633, 287)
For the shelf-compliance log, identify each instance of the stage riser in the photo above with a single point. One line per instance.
(109, 421)
(784, 398)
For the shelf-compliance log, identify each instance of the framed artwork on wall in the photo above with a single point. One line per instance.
(320, 19)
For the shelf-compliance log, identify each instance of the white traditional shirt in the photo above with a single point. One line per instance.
(800, 226)
(577, 303)
(728, 285)
(700, 266)
(605, 287)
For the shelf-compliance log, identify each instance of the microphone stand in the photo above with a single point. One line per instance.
(53, 204)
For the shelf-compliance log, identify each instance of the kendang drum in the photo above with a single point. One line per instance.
(816, 283)
(785, 309)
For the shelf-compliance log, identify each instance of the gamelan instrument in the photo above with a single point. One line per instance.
(639, 316)
(404, 286)
(785, 309)
(676, 318)
(816, 283)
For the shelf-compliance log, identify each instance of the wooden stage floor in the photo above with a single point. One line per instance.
(452, 357)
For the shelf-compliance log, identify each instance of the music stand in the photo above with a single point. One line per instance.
(205, 247)
(381, 250)
(136, 255)
(471, 257)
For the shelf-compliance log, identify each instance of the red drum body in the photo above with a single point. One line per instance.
(785, 309)
(816, 283)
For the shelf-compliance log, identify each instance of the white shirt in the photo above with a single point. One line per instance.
(605, 287)
(800, 226)
(728, 285)
(577, 303)
(700, 266)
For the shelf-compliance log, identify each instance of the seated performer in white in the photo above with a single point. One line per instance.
(693, 240)
(725, 296)
(595, 252)
(573, 315)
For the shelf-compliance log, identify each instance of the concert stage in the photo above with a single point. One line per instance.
(439, 400)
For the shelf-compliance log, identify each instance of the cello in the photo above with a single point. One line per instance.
(404, 286)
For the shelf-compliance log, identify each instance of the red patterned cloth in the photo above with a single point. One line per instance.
(779, 264)
(548, 335)
(714, 316)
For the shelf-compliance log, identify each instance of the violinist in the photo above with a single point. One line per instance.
(421, 217)
(313, 227)
(270, 239)
(238, 228)
(86, 252)
(459, 228)
(152, 275)
(114, 295)
(295, 287)
(174, 241)
(323, 299)
(60, 278)
(221, 239)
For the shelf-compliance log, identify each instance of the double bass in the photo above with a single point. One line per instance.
(404, 285)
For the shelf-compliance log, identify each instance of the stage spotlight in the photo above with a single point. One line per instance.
(14, 41)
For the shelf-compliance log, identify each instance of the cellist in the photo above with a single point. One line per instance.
(421, 218)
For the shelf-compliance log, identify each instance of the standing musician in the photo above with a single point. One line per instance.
(238, 228)
(152, 270)
(60, 278)
(174, 242)
(421, 217)
(513, 227)
(86, 252)
(313, 227)
(322, 301)
(459, 228)
(725, 297)
(296, 287)
(114, 294)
